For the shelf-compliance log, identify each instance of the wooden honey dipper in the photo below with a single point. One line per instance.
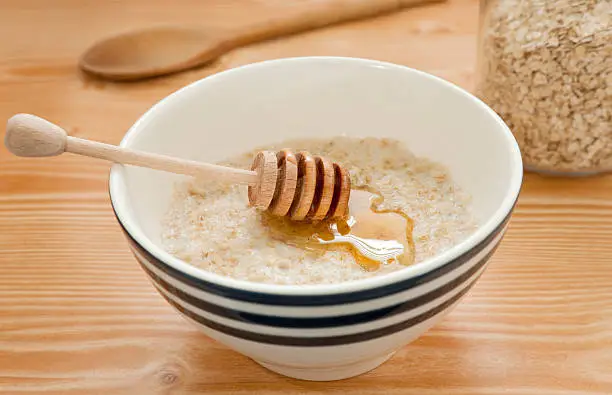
(299, 186)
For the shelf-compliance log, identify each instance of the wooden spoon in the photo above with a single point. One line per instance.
(165, 50)
(300, 186)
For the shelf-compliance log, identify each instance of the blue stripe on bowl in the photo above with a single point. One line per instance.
(318, 322)
(323, 340)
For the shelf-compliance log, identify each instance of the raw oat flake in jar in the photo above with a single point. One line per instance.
(545, 66)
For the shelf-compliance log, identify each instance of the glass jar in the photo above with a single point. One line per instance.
(546, 68)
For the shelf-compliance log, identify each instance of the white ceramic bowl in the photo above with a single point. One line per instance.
(320, 332)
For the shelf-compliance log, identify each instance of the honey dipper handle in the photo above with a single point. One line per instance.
(31, 136)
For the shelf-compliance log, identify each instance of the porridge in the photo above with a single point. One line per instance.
(213, 228)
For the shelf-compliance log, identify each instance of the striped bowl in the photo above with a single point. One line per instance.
(320, 332)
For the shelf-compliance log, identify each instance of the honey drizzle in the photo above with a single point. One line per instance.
(376, 202)
(334, 235)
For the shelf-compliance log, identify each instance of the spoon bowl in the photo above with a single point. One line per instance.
(152, 52)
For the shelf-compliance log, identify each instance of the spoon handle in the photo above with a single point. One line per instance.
(31, 136)
(320, 14)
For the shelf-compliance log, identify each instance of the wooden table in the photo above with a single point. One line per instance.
(78, 316)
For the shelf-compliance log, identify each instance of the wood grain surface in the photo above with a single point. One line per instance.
(78, 316)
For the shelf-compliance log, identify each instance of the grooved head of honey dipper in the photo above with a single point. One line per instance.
(262, 193)
(300, 186)
(342, 193)
(306, 186)
(324, 189)
(286, 184)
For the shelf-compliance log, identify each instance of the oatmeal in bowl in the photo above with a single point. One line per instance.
(435, 176)
(213, 228)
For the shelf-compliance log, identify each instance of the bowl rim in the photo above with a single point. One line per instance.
(491, 225)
